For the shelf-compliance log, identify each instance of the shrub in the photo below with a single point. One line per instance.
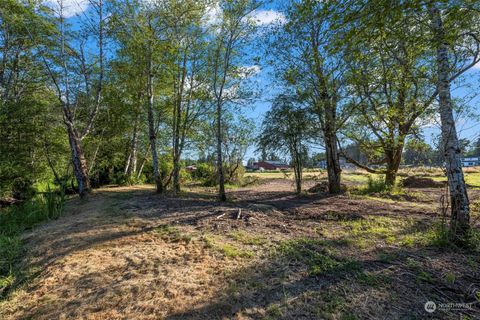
(17, 218)
(206, 174)
(234, 174)
(375, 184)
(22, 189)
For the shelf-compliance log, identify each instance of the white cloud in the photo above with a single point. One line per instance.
(266, 17)
(249, 71)
(71, 8)
(213, 14)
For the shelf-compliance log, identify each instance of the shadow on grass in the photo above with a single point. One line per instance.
(308, 279)
(299, 279)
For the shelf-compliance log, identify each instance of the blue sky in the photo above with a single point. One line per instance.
(467, 126)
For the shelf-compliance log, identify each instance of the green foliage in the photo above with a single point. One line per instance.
(375, 184)
(246, 238)
(226, 249)
(316, 256)
(17, 218)
(10, 247)
(206, 174)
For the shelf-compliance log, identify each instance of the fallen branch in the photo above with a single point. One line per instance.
(239, 214)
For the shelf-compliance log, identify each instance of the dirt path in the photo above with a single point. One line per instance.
(128, 253)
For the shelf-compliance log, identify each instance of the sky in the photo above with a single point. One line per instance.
(467, 127)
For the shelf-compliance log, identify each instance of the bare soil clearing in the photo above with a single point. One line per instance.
(128, 253)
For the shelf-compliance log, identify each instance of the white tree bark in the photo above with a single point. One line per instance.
(460, 211)
(151, 123)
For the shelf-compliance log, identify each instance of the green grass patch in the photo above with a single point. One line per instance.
(316, 256)
(226, 249)
(172, 234)
(17, 218)
(231, 251)
(424, 276)
(247, 239)
(473, 179)
(401, 232)
(371, 279)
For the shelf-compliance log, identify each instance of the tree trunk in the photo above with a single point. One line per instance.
(151, 129)
(127, 163)
(298, 177)
(133, 160)
(393, 164)
(390, 177)
(333, 162)
(131, 163)
(221, 178)
(176, 149)
(176, 174)
(460, 211)
(78, 161)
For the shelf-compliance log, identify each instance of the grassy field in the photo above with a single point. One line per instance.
(267, 253)
(472, 175)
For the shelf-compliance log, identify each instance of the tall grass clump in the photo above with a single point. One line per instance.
(17, 218)
(375, 185)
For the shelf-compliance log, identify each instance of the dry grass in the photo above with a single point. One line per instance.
(128, 253)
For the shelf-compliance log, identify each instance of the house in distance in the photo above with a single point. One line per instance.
(270, 165)
(471, 162)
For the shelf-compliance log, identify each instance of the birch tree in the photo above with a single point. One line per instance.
(187, 37)
(228, 37)
(77, 75)
(455, 33)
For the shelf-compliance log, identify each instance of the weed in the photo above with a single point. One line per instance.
(413, 264)
(172, 234)
(386, 256)
(371, 279)
(450, 278)
(425, 277)
(245, 238)
(274, 311)
(231, 251)
(208, 240)
(375, 184)
(14, 220)
(226, 249)
(316, 256)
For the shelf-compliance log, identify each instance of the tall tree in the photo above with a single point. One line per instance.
(228, 37)
(287, 128)
(187, 36)
(141, 31)
(389, 80)
(445, 37)
(31, 142)
(78, 81)
(307, 60)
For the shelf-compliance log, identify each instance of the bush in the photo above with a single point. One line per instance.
(15, 219)
(235, 178)
(206, 174)
(375, 184)
(22, 189)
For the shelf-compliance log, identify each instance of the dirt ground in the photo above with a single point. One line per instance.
(128, 253)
